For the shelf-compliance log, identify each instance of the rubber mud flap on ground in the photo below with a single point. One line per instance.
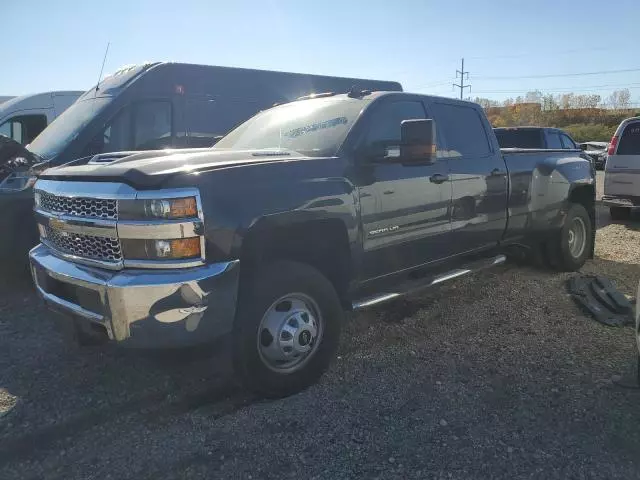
(598, 296)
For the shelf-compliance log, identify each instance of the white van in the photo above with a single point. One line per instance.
(622, 170)
(23, 118)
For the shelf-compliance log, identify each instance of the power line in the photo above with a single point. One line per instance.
(594, 88)
(601, 72)
(538, 52)
(462, 74)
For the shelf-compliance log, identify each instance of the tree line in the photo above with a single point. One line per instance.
(585, 117)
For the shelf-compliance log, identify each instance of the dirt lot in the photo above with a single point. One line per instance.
(495, 376)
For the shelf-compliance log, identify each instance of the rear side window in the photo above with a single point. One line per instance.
(630, 140)
(519, 138)
(463, 130)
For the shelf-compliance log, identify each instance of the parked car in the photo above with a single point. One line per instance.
(304, 211)
(534, 137)
(23, 118)
(148, 107)
(597, 151)
(622, 171)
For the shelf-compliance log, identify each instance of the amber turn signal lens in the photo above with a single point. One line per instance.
(183, 207)
(185, 247)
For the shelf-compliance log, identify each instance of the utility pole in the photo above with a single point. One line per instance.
(462, 74)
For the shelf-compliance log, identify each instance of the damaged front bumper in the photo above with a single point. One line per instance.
(141, 308)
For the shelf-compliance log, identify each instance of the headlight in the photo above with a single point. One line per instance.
(176, 249)
(18, 181)
(170, 208)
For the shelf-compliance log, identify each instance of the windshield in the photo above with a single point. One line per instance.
(314, 127)
(67, 127)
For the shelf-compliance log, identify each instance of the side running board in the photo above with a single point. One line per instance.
(416, 286)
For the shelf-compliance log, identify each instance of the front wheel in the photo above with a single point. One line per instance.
(570, 248)
(287, 328)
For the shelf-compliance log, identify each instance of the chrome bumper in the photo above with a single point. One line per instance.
(141, 308)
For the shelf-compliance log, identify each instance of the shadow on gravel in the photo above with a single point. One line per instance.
(603, 218)
(80, 389)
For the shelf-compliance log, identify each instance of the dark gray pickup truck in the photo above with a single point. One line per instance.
(305, 211)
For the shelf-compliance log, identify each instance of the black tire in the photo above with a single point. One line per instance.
(620, 213)
(558, 250)
(258, 293)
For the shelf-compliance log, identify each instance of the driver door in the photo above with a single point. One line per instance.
(404, 207)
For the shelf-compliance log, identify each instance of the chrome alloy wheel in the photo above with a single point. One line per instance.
(577, 237)
(290, 332)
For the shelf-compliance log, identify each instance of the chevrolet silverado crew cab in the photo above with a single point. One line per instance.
(305, 211)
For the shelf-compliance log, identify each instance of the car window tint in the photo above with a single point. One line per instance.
(384, 127)
(114, 137)
(630, 140)
(463, 130)
(519, 138)
(567, 143)
(553, 140)
(152, 125)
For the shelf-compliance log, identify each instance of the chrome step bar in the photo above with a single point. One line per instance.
(414, 286)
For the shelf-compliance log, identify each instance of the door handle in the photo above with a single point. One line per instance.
(496, 172)
(438, 178)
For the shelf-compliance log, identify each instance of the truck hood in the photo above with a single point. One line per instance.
(150, 169)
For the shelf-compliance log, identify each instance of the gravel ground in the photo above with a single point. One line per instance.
(498, 375)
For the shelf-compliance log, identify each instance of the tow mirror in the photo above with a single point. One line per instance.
(418, 141)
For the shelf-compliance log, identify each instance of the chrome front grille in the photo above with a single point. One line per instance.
(104, 249)
(78, 206)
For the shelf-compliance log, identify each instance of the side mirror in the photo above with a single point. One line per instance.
(418, 141)
(582, 146)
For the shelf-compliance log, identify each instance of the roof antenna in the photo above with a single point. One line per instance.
(101, 70)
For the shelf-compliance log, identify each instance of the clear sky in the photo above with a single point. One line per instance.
(59, 44)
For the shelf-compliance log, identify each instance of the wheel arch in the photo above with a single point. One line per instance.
(320, 243)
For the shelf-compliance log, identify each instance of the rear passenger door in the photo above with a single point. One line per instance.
(478, 177)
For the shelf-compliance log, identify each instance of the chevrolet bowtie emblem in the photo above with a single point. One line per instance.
(56, 223)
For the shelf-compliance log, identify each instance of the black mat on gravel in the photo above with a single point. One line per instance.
(600, 298)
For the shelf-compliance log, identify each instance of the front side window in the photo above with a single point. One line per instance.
(142, 126)
(630, 140)
(152, 125)
(463, 130)
(553, 141)
(567, 143)
(5, 129)
(24, 128)
(384, 127)
(12, 129)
